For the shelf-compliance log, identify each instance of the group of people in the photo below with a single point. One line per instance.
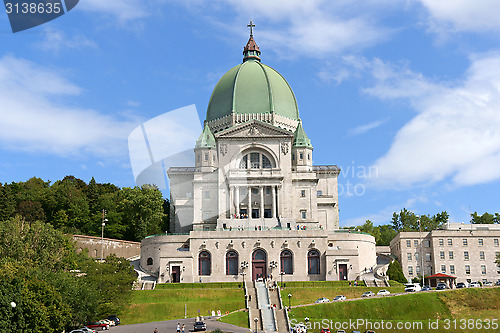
(240, 216)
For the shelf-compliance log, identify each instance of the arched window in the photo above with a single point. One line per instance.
(255, 161)
(204, 263)
(232, 263)
(149, 261)
(259, 255)
(313, 262)
(286, 259)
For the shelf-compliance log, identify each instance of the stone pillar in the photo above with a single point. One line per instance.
(249, 202)
(231, 202)
(273, 202)
(261, 210)
(237, 197)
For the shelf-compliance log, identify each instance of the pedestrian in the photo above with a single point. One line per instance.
(183, 326)
(178, 327)
(249, 298)
(155, 331)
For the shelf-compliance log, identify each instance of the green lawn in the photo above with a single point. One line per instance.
(239, 318)
(415, 309)
(168, 303)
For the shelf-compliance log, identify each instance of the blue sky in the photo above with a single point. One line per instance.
(403, 95)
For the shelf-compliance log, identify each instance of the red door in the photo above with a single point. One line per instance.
(342, 271)
(259, 261)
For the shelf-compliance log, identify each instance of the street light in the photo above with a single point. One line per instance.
(243, 266)
(289, 302)
(256, 320)
(104, 220)
(422, 271)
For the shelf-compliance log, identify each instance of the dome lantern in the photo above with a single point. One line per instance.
(251, 50)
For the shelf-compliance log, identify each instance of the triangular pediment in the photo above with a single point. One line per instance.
(254, 129)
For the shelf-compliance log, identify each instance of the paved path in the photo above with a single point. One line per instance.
(170, 326)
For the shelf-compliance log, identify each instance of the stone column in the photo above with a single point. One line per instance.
(261, 211)
(249, 202)
(231, 201)
(237, 197)
(273, 201)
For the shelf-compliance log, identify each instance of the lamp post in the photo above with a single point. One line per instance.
(422, 271)
(272, 264)
(256, 320)
(289, 302)
(243, 266)
(104, 220)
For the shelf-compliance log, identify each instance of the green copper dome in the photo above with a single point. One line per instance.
(252, 88)
(206, 139)
(300, 139)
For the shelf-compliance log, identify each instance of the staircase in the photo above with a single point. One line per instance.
(266, 312)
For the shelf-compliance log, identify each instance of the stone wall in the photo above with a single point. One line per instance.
(118, 247)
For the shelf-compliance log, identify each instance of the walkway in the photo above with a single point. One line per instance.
(265, 307)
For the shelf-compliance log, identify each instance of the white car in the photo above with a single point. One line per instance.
(322, 300)
(474, 285)
(383, 292)
(368, 294)
(340, 298)
(412, 287)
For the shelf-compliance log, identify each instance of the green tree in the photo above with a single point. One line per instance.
(387, 233)
(486, 218)
(395, 272)
(409, 221)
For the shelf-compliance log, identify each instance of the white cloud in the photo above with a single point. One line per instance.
(455, 133)
(55, 40)
(464, 15)
(123, 10)
(366, 127)
(35, 117)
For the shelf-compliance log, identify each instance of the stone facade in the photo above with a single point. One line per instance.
(120, 248)
(466, 251)
(254, 204)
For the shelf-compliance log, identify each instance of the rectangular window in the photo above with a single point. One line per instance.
(495, 242)
(467, 269)
(301, 156)
(480, 241)
(319, 193)
(408, 243)
(428, 256)
(207, 215)
(254, 160)
(450, 242)
(302, 193)
(409, 256)
(427, 243)
(415, 242)
(464, 242)
(416, 256)
(418, 270)
(410, 270)
(450, 255)
(303, 214)
(443, 269)
(441, 242)
(268, 190)
(481, 255)
(207, 194)
(206, 156)
(466, 255)
(452, 269)
(255, 191)
(483, 269)
(441, 255)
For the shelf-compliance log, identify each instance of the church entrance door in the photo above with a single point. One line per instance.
(342, 271)
(259, 264)
(176, 274)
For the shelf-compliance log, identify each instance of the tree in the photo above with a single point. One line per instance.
(387, 233)
(395, 272)
(409, 221)
(486, 218)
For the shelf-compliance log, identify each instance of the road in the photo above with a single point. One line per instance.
(170, 326)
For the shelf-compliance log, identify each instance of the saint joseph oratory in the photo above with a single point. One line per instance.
(254, 204)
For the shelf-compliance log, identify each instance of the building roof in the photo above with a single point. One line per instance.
(252, 88)
(206, 139)
(300, 139)
(440, 276)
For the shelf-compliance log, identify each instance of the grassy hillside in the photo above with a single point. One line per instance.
(415, 309)
(168, 303)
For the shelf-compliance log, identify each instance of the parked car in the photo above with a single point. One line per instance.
(199, 326)
(87, 330)
(325, 330)
(488, 284)
(412, 287)
(322, 300)
(461, 285)
(340, 331)
(426, 288)
(497, 283)
(76, 331)
(340, 298)
(300, 328)
(115, 319)
(441, 286)
(475, 285)
(97, 325)
(107, 321)
(383, 292)
(368, 294)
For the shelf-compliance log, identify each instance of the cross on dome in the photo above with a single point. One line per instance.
(251, 26)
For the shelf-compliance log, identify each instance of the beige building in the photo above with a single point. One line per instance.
(254, 204)
(467, 251)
